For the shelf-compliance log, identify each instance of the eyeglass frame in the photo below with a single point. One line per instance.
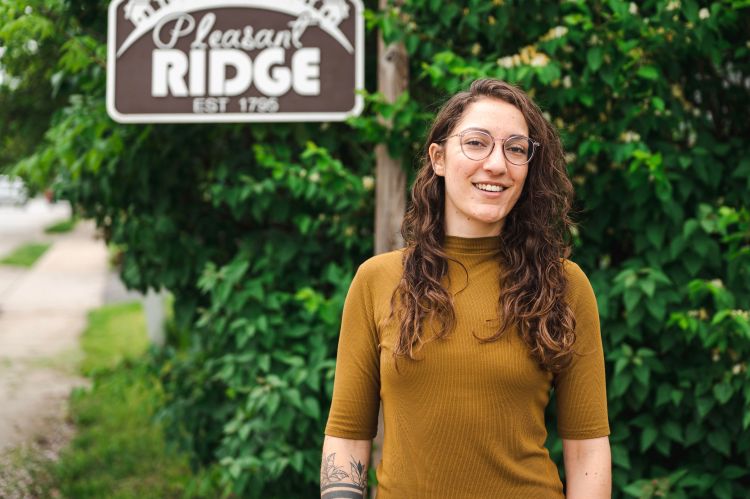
(534, 145)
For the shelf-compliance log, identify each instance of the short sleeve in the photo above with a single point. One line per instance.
(581, 390)
(356, 387)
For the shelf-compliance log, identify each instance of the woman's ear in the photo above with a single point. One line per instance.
(437, 158)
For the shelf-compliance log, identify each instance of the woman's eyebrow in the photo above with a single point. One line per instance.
(480, 129)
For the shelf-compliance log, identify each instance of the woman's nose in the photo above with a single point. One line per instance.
(496, 162)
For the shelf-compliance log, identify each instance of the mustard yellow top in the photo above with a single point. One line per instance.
(466, 420)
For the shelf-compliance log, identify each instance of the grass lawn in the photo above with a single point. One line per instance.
(61, 227)
(119, 450)
(115, 333)
(26, 255)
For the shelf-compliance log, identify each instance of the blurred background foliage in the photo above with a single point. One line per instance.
(257, 229)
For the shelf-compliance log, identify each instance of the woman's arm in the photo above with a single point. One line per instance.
(588, 468)
(343, 472)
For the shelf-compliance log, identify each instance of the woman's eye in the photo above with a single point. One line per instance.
(476, 142)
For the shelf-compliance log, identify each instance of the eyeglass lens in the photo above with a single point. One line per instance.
(478, 145)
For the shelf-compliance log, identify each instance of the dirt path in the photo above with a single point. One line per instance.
(42, 313)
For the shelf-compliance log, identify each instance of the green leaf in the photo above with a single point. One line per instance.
(311, 407)
(723, 392)
(631, 297)
(677, 396)
(297, 461)
(647, 438)
(642, 373)
(719, 440)
(648, 72)
(694, 433)
(648, 286)
(673, 431)
(733, 472)
(704, 406)
(663, 394)
(723, 489)
(620, 456)
(620, 384)
(656, 308)
(640, 488)
(293, 396)
(272, 403)
(594, 57)
(655, 234)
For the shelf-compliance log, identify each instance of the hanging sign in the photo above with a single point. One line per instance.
(190, 61)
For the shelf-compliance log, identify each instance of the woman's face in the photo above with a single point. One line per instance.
(473, 205)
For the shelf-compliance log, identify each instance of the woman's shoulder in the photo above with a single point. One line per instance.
(578, 282)
(382, 264)
(573, 271)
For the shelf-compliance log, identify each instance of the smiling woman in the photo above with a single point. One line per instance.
(481, 183)
(463, 334)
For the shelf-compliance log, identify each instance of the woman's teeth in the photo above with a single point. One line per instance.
(489, 187)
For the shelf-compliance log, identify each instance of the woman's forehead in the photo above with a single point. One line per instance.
(498, 117)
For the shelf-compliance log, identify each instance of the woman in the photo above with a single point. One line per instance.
(463, 333)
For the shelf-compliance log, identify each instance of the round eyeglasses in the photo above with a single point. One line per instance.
(478, 145)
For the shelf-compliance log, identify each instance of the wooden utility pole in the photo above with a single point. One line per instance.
(390, 179)
(390, 183)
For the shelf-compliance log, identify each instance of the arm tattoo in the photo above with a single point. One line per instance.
(335, 483)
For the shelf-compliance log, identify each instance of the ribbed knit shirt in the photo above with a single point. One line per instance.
(466, 419)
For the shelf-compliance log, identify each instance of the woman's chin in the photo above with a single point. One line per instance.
(490, 218)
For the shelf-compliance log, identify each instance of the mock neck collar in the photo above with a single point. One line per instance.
(471, 245)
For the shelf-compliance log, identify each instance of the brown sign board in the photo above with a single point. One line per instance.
(199, 61)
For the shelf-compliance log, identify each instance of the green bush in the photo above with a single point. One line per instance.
(257, 230)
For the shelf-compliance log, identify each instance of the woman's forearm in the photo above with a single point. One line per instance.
(343, 470)
(588, 468)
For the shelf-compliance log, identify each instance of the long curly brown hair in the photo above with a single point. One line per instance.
(534, 240)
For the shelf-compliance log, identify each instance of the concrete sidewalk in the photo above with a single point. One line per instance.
(42, 314)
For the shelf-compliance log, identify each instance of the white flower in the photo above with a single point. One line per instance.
(32, 46)
(368, 183)
(567, 83)
(505, 62)
(314, 177)
(633, 8)
(539, 60)
(28, 10)
(630, 136)
(476, 49)
(673, 5)
(703, 13)
(556, 32)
